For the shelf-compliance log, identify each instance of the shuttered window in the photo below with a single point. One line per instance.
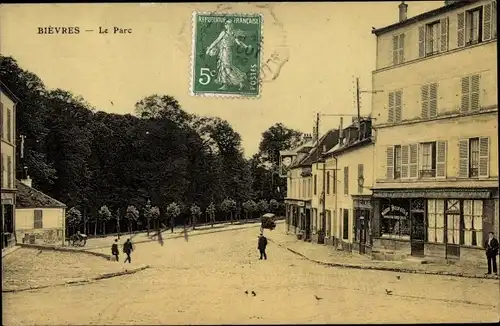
(474, 157)
(345, 225)
(444, 34)
(484, 157)
(315, 184)
(461, 29)
(327, 182)
(390, 117)
(334, 182)
(9, 171)
(38, 219)
(1, 118)
(413, 149)
(488, 21)
(421, 41)
(398, 45)
(429, 100)
(360, 175)
(390, 162)
(470, 86)
(441, 158)
(395, 106)
(9, 125)
(3, 169)
(405, 161)
(346, 180)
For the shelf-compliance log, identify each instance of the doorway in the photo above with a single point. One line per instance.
(452, 236)
(417, 235)
(362, 232)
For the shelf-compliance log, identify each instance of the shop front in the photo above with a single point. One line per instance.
(362, 224)
(443, 224)
(8, 234)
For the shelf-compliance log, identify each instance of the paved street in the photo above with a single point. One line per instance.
(203, 281)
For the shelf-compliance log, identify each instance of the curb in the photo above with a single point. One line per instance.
(63, 249)
(169, 238)
(80, 281)
(383, 268)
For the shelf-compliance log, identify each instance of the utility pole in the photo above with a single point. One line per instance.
(358, 108)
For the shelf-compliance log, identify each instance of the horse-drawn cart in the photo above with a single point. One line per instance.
(267, 221)
(78, 239)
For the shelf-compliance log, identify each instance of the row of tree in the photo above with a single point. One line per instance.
(88, 158)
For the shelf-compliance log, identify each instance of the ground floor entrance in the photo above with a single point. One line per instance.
(362, 224)
(8, 234)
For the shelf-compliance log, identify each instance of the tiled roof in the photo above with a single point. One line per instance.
(28, 197)
(329, 140)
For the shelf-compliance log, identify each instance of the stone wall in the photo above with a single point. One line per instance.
(40, 236)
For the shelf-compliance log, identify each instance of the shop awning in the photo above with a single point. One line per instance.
(434, 193)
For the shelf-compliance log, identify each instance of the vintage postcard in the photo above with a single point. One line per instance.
(249, 163)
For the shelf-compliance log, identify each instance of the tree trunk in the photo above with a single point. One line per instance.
(95, 229)
(231, 216)
(148, 226)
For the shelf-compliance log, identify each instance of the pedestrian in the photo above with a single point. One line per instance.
(127, 249)
(262, 246)
(114, 250)
(491, 246)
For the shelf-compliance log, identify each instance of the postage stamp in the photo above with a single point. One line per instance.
(226, 57)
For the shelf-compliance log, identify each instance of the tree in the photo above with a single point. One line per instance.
(211, 213)
(228, 206)
(250, 207)
(118, 218)
(195, 213)
(147, 214)
(74, 218)
(173, 210)
(155, 214)
(263, 206)
(273, 205)
(132, 215)
(104, 216)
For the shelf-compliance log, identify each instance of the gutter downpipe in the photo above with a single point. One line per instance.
(336, 198)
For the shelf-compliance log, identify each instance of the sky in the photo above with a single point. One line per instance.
(327, 44)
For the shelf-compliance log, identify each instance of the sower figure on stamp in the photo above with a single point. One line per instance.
(262, 246)
(491, 247)
(227, 73)
(114, 250)
(127, 249)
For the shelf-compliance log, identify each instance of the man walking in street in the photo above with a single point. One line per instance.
(491, 246)
(114, 250)
(127, 249)
(262, 246)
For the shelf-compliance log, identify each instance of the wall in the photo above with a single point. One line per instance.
(8, 146)
(411, 48)
(299, 187)
(450, 130)
(337, 201)
(52, 228)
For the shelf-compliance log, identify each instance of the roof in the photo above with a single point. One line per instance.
(28, 197)
(426, 15)
(352, 140)
(328, 140)
(9, 93)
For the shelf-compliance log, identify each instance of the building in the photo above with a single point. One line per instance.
(8, 103)
(436, 129)
(39, 218)
(349, 179)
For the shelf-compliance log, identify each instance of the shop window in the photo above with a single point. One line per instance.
(453, 228)
(395, 222)
(435, 221)
(473, 223)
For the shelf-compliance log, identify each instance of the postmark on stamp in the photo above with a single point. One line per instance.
(226, 54)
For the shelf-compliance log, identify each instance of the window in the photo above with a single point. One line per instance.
(433, 38)
(315, 184)
(473, 22)
(1, 117)
(474, 157)
(435, 221)
(360, 175)
(428, 166)
(428, 100)
(3, 169)
(395, 106)
(398, 44)
(477, 25)
(38, 219)
(473, 223)
(345, 225)
(327, 182)
(9, 125)
(397, 162)
(395, 222)
(9, 171)
(453, 228)
(470, 93)
(346, 180)
(334, 182)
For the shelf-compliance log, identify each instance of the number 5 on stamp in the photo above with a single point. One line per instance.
(226, 54)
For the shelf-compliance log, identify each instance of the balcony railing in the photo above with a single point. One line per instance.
(427, 173)
(473, 172)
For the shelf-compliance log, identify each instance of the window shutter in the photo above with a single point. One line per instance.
(424, 100)
(346, 180)
(487, 21)
(9, 125)
(464, 103)
(1, 118)
(494, 20)
(360, 174)
(421, 41)
(441, 159)
(433, 100)
(390, 162)
(327, 182)
(398, 105)
(484, 156)
(405, 161)
(9, 171)
(413, 160)
(401, 48)
(463, 151)
(395, 54)
(334, 182)
(391, 107)
(444, 34)
(474, 92)
(461, 29)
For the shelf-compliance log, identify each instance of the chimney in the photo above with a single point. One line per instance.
(341, 131)
(307, 138)
(449, 2)
(26, 180)
(403, 11)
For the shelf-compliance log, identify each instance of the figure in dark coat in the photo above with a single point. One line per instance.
(262, 246)
(491, 247)
(127, 249)
(114, 250)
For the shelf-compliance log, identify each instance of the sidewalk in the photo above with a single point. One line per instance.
(327, 255)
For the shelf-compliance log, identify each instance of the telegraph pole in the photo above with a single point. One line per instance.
(358, 106)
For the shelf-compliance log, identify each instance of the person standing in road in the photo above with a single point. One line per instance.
(114, 250)
(491, 246)
(127, 249)
(262, 246)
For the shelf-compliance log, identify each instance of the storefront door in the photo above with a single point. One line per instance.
(452, 235)
(417, 236)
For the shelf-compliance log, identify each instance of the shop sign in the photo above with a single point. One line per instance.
(394, 208)
(362, 203)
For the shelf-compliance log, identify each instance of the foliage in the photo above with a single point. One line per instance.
(195, 210)
(250, 206)
(273, 205)
(173, 210)
(74, 217)
(132, 213)
(263, 206)
(105, 213)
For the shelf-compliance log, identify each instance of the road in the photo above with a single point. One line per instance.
(203, 281)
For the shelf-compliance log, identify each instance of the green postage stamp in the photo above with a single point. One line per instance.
(227, 49)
